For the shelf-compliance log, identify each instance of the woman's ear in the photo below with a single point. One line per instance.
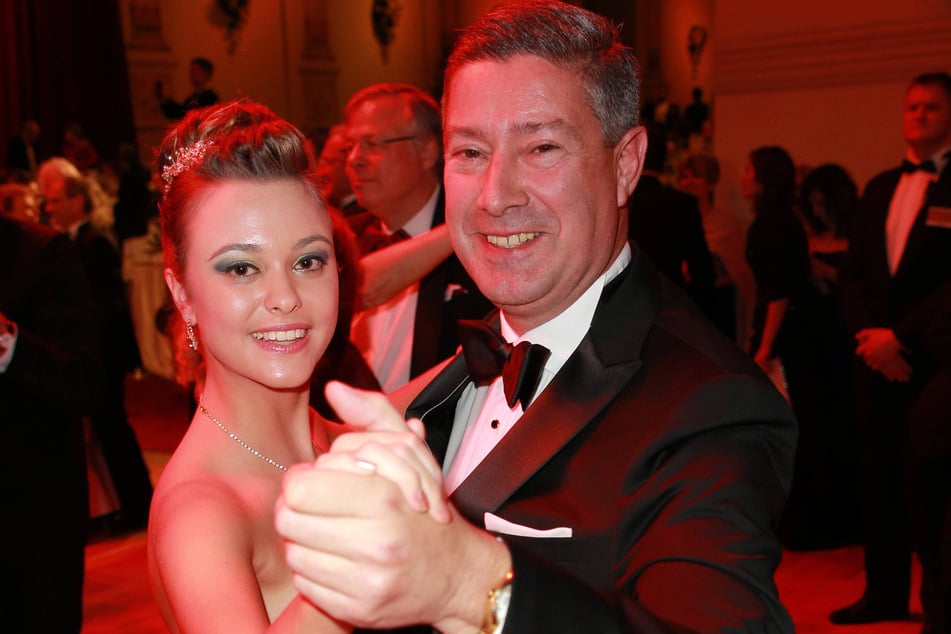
(179, 296)
(629, 152)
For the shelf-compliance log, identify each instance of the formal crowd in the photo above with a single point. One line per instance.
(499, 362)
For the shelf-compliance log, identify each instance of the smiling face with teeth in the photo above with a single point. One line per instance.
(536, 200)
(260, 281)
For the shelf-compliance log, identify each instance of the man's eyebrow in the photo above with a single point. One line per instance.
(519, 127)
(529, 127)
(465, 131)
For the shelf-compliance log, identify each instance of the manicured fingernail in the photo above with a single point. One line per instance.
(366, 464)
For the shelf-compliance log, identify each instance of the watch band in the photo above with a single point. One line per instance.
(497, 606)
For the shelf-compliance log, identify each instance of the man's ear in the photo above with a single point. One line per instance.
(629, 161)
(429, 151)
(179, 296)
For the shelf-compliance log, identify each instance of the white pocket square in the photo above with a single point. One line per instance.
(452, 290)
(496, 524)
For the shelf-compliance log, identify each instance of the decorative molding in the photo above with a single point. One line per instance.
(143, 75)
(317, 31)
(319, 88)
(149, 60)
(383, 16)
(145, 25)
(318, 70)
(856, 54)
(230, 15)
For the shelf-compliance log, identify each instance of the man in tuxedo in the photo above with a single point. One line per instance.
(68, 203)
(635, 482)
(202, 94)
(666, 225)
(49, 377)
(393, 165)
(897, 269)
(661, 111)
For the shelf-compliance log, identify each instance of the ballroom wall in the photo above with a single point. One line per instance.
(303, 58)
(827, 85)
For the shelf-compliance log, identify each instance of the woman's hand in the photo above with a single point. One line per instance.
(379, 440)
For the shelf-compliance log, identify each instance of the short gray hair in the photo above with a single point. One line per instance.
(566, 36)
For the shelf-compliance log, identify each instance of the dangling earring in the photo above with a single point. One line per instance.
(190, 334)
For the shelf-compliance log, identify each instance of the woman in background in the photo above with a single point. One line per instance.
(828, 199)
(824, 509)
(699, 174)
(778, 254)
(790, 342)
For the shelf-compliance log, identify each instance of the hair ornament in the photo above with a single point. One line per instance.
(185, 158)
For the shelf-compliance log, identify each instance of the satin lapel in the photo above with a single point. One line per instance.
(876, 223)
(573, 399)
(436, 405)
(430, 310)
(939, 193)
(428, 321)
(603, 364)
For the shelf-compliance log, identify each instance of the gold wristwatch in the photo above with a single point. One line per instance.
(497, 606)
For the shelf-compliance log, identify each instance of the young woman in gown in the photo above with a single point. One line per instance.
(251, 267)
(792, 331)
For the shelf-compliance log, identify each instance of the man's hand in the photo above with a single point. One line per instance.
(366, 551)
(765, 362)
(881, 350)
(8, 330)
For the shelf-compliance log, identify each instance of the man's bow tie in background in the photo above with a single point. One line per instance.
(488, 356)
(927, 166)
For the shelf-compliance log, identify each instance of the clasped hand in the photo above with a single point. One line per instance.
(369, 533)
(881, 350)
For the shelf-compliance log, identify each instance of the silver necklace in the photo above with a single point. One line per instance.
(233, 436)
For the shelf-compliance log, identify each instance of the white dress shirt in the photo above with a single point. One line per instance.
(483, 416)
(384, 333)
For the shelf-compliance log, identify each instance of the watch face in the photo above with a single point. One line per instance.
(502, 599)
(497, 607)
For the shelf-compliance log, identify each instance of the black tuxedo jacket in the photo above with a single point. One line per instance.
(915, 303)
(103, 267)
(52, 380)
(871, 296)
(446, 295)
(667, 226)
(17, 156)
(197, 99)
(667, 453)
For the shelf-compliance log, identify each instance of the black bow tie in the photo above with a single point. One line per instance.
(488, 356)
(927, 166)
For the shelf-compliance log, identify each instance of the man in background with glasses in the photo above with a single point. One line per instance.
(394, 164)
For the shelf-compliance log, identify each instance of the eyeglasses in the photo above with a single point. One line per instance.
(374, 147)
